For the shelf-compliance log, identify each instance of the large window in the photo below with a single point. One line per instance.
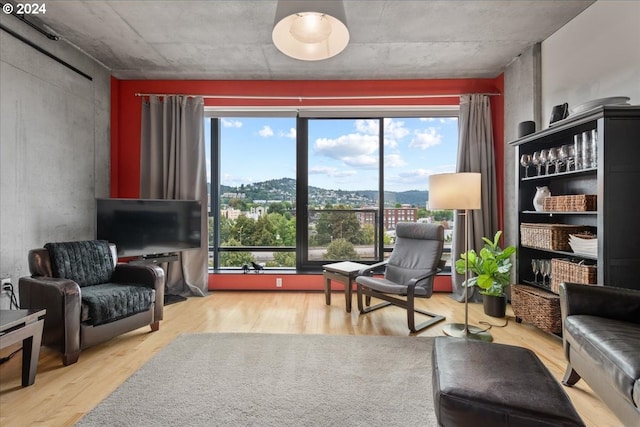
(298, 192)
(343, 201)
(253, 191)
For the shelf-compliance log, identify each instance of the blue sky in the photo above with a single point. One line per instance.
(343, 153)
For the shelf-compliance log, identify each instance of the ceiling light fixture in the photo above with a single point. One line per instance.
(310, 30)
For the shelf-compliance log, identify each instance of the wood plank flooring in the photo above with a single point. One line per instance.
(62, 395)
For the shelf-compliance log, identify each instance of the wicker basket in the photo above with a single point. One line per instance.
(554, 237)
(563, 270)
(538, 307)
(573, 203)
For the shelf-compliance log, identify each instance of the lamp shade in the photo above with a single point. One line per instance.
(310, 30)
(455, 191)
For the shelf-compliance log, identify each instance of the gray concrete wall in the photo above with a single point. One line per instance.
(54, 145)
(521, 103)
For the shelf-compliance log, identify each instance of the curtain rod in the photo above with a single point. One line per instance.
(316, 98)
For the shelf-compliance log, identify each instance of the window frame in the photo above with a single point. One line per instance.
(303, 115)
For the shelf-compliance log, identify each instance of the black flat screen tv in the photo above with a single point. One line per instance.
(148, 228)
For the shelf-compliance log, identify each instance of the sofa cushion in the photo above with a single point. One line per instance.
(613, 345)
(86, 262)
(109, 302)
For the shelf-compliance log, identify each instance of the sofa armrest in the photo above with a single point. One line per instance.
(603, 301)
(148, 275)
(61, 299)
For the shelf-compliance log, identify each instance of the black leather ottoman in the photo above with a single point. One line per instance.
(477, 383)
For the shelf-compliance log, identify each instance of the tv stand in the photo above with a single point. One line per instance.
(155, 259)
(159, 259)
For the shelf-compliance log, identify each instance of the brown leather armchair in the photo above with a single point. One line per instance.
(89, 296)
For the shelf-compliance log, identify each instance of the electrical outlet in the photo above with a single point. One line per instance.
(4, 281)
(278, 282)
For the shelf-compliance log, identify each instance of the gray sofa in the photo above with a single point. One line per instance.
(601, 335)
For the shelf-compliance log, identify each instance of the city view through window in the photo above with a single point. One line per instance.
(360, 178)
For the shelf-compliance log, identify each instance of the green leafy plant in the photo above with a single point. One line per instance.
(492, 267)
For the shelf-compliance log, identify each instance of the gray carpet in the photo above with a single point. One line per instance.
(277, 380)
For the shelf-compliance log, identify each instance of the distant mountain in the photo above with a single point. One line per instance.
(284, 189)
(411, 197)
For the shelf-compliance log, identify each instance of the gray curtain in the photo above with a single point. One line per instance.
(475, 154)
(172, 166)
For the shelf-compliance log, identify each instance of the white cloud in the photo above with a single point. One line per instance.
(392, 127)
(394, 161)
(266, 131)
(417, 178)
(347, 146)
(439, 119)
(234, 180)
(395, 129)
(330, 171)
(408, 179)
(361, 161)
(425, 139)
(291, 134)
(355, 149)
(231, 123)
(369, 127)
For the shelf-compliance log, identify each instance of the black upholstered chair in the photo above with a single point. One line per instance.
(409, 273)
(89, 297)
(601, 338)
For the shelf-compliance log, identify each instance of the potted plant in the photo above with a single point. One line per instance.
(492, 273)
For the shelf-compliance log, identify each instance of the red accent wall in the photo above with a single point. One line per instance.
(125, 129)
(292, 282)
(497, 111)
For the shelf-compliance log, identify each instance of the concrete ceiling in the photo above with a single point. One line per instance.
(390, 39)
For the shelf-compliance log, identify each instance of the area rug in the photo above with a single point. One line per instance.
(236, 379)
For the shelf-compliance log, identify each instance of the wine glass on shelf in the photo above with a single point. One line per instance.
(572, 156)
(554, 158)
(549, 272)
(544, 160)
(525, 161)
(535, 266)
(536, 161)
(563, 157)
(545, 270)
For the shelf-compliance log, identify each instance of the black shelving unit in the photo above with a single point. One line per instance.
(615, 181)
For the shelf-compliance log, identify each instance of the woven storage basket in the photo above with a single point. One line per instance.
(572, 203)
(553, 237)
(563, 270)
(536, 306)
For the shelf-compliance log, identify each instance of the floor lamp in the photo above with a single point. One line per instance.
(462, 192)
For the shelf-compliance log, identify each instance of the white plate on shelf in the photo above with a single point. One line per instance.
(584, 246)
(613, 100)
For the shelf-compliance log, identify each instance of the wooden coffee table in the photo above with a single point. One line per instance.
(25, 326)
(344, 272)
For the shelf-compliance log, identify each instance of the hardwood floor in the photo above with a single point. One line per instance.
(62, 395)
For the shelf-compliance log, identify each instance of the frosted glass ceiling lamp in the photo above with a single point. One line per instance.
(460, 191)
(310, 30)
